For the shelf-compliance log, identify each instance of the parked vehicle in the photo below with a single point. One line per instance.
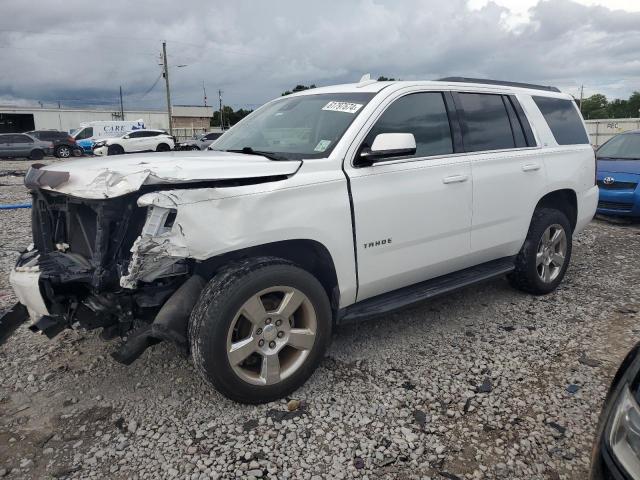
(64, 145)
(616, 453)
(321, 207)
(21, 145)
(91, 132)
(619, 175)
(199, 142)
(136, 141)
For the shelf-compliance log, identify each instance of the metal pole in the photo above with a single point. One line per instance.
(221, 120)
(166, 79)
(581, 96)
(121, 105)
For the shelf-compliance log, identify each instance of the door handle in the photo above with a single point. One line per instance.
(455, 179)
(531, 167)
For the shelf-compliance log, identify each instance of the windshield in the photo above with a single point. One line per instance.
(625, 147)
(308, 126)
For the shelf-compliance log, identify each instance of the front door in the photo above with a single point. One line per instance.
(412, 214)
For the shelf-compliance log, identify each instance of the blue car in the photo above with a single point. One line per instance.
(619, 174)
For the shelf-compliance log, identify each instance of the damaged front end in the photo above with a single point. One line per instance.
(103, 263)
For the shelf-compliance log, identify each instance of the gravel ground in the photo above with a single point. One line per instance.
(485, 383)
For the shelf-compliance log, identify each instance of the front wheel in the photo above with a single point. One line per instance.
(260, 329)
(163, 147)
(115, 150)
(36, 155)
(545, 255)
(63, 151)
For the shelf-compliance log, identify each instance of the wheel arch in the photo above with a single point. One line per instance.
(564, 200)
(310, 255)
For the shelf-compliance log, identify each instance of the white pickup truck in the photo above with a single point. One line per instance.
(330, 205)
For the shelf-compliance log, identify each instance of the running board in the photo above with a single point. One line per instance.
(406, 296)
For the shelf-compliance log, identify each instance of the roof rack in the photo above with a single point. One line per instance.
(499, 82)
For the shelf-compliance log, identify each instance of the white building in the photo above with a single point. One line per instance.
(21, 119)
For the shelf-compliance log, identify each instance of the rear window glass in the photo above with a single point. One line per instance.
(486, 123)
(563, 119)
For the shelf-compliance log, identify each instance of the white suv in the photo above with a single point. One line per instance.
(330, 205)
(145, 140)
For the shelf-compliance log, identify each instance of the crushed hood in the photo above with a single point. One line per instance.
(113, 176)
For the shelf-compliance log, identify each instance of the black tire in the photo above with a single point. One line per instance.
(115, 150)
(63, 151)
(36, 155)
(218, 306)
(163, 147)
(194, 148)
(526, 276)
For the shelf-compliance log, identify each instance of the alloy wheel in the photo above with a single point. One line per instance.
(271, 335)
(551, 253)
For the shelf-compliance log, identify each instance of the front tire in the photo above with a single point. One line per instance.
(36, 155)
(115, 150)
(63, 151)
(545, 255)
(260, 329)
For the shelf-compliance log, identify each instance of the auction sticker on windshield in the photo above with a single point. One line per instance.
(346, 107)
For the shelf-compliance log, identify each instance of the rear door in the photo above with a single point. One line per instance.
(5, 145)
(413, 213)
(509, 175)
(21, 145)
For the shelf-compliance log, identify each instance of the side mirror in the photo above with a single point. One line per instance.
(388, 145)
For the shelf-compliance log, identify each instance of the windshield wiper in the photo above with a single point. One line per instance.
(251, 151)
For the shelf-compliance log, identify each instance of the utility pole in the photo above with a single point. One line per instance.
(581, 96)
(204, 91)
(221, 117)
(165, 73)
(121, 105)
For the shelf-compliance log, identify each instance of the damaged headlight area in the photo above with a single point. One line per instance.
(107, 263)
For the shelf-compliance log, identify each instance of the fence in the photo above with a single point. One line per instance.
(602, 130)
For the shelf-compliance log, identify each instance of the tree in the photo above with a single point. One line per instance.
(382, 78)
(595, 106)
(231, 116)
(298, 88)
(633, 105)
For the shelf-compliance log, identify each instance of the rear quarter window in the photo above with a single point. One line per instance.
(563, 120)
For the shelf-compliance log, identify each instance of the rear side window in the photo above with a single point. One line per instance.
(424, 115)
(486, 124)
(563, 119)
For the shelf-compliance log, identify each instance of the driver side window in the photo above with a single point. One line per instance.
(422, 114)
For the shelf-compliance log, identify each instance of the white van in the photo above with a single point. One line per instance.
(89, 132)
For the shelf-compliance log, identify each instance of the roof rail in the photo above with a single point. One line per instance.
(499, 82)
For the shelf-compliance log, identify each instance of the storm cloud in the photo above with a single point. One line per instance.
(79, 53)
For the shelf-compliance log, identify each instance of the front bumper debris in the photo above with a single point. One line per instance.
(11, 320)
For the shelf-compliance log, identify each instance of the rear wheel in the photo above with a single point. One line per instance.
(545, 255)
(163, 147)
(36, 155)
(115, 150)
(260, 329)
(63, 151)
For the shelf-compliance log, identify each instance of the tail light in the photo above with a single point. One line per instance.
(71, 139)
(50, 144)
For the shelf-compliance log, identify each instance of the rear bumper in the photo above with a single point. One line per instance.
(587, 204)
(101, 151)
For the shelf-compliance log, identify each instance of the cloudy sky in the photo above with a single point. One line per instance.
(79, 52)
